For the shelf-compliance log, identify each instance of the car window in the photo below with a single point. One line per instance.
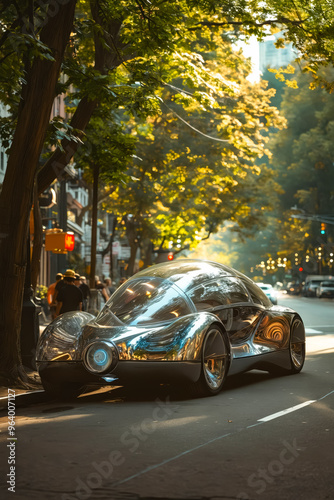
(147, 300)
(239, 321)
(258, 296)
(217, 293)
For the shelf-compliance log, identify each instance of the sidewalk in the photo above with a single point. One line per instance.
(25, 396)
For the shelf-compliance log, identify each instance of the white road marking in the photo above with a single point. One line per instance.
(229, 434)
(288, 410)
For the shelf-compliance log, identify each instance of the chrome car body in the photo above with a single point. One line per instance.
(186, 321)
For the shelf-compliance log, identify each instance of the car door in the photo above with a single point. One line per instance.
(230, 301)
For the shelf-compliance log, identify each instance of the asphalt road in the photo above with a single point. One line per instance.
(262, 437)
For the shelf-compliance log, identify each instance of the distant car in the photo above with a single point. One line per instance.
(310, 288)
(186, 322)
(294, 288)
(325, 289)
(270, 291)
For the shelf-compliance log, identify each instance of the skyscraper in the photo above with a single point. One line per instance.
(273, 57)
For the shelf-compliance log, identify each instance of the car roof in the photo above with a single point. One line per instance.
(188, 273)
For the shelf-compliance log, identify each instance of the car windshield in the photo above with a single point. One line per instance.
(146, 300)
(327, 284)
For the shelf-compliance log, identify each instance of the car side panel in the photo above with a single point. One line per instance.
(180, 340)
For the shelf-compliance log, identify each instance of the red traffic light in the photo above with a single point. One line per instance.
(69, 242)
(301, 269)
(170, 256)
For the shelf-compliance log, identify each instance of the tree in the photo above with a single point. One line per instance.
(186, 183)
(304, 161)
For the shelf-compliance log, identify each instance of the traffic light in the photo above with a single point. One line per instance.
(170, 256)
(59, 242)
(323, 228)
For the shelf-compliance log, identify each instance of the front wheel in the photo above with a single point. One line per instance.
(215, 362)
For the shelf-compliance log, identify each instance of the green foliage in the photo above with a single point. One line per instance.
(107, 145)
(190, 181)
(302, 158)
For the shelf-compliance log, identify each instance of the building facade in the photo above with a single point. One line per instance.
(270, 56)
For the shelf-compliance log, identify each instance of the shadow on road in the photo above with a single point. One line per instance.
(143, 393)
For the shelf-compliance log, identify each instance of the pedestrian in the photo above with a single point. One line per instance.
(85, 292)
(59, 285)
(110, 287)
(101, 287)
(69, 297)
(77, 280)
(51, 295)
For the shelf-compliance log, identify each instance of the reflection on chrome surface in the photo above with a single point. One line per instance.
(274, 331)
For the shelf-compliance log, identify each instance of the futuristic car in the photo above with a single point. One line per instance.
(188, 322)
(270, 292)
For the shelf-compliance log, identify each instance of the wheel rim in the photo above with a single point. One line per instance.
(297, 354)
(215, 359)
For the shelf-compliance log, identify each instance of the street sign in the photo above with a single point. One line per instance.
(124, 253)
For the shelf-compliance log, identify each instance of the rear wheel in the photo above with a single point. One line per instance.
(297, 355)
(215, 362)
(296, 350)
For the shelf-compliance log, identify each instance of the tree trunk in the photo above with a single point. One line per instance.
(132, 260)
(112, 237)
(16, 196)
(131, 234)
(38, 241)
(96, 173)
(147, 250)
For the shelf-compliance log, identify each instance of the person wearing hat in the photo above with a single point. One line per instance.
(69, 297)
(51, 295)
(77, 280)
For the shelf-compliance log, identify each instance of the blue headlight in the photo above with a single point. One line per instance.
(100, 357)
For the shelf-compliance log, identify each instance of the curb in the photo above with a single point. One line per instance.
(24, 399)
